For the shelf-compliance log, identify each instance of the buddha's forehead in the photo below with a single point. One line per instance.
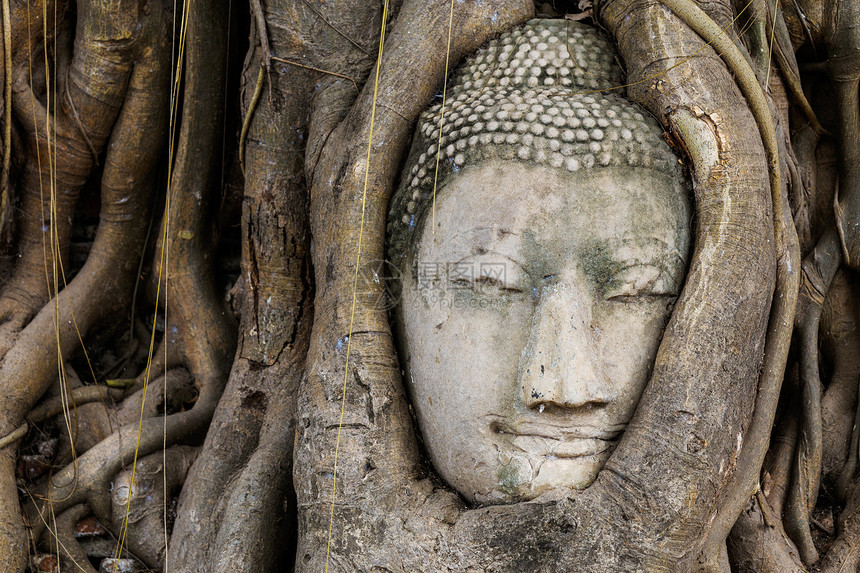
(502, 207)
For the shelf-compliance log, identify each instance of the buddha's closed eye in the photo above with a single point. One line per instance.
(491, 284)
(642, 281)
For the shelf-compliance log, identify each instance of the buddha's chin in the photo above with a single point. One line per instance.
(526, 478)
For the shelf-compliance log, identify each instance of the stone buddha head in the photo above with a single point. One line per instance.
(534, 294)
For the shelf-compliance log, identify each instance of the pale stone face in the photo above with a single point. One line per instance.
(531, 327)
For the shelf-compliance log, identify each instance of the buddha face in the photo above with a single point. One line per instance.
(533, 316)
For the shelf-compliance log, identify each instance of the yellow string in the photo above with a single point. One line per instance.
(770, 46)
(162, 271)
(355, 279)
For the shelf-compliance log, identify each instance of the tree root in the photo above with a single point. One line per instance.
(819, 270)
(141, 509)
(88, 479)
(843, 66)
(844, 554)
(30, 366)
(16, 435)
(807, 466)
(167, 357)
(95, 422)
(205, 326)
(76, 397)
(743, 482)
(840, 341)
(63, 140)
(758, 544)
(63, 537)
(778, 465)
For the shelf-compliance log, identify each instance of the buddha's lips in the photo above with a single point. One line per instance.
(560, 442)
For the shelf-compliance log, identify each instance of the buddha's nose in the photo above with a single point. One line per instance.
(560, 365)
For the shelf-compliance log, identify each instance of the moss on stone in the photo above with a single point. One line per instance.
(599, 265)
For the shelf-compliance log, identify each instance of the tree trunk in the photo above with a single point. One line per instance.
(282, 430)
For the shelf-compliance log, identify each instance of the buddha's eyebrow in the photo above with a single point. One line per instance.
(482, 238)
(501, 255)
(672, 250)
(500, 230)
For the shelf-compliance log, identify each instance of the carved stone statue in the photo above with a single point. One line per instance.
(539, 267)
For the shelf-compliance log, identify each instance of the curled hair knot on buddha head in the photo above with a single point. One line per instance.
(533, 95)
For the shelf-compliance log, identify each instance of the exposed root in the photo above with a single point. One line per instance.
(88, 479)
(743, 482)
(63, 538)
(807, 467)
(758, 544)
(31, 365)
(849, 470)
(844, 554)
(778, 465)
(843, 67)
(783, 53)
(95, 422)
(14, 319)
(60, 155)
(76, 397)
(840, 343)
(143, 506)
(167, 357)
(16, 435)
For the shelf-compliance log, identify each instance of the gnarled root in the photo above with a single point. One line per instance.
(31, 364)
(758, 544)
(138, 510)
(95, 421)
(63, 538)
(88, 478)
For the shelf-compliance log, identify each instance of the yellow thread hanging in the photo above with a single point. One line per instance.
(355, 280)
